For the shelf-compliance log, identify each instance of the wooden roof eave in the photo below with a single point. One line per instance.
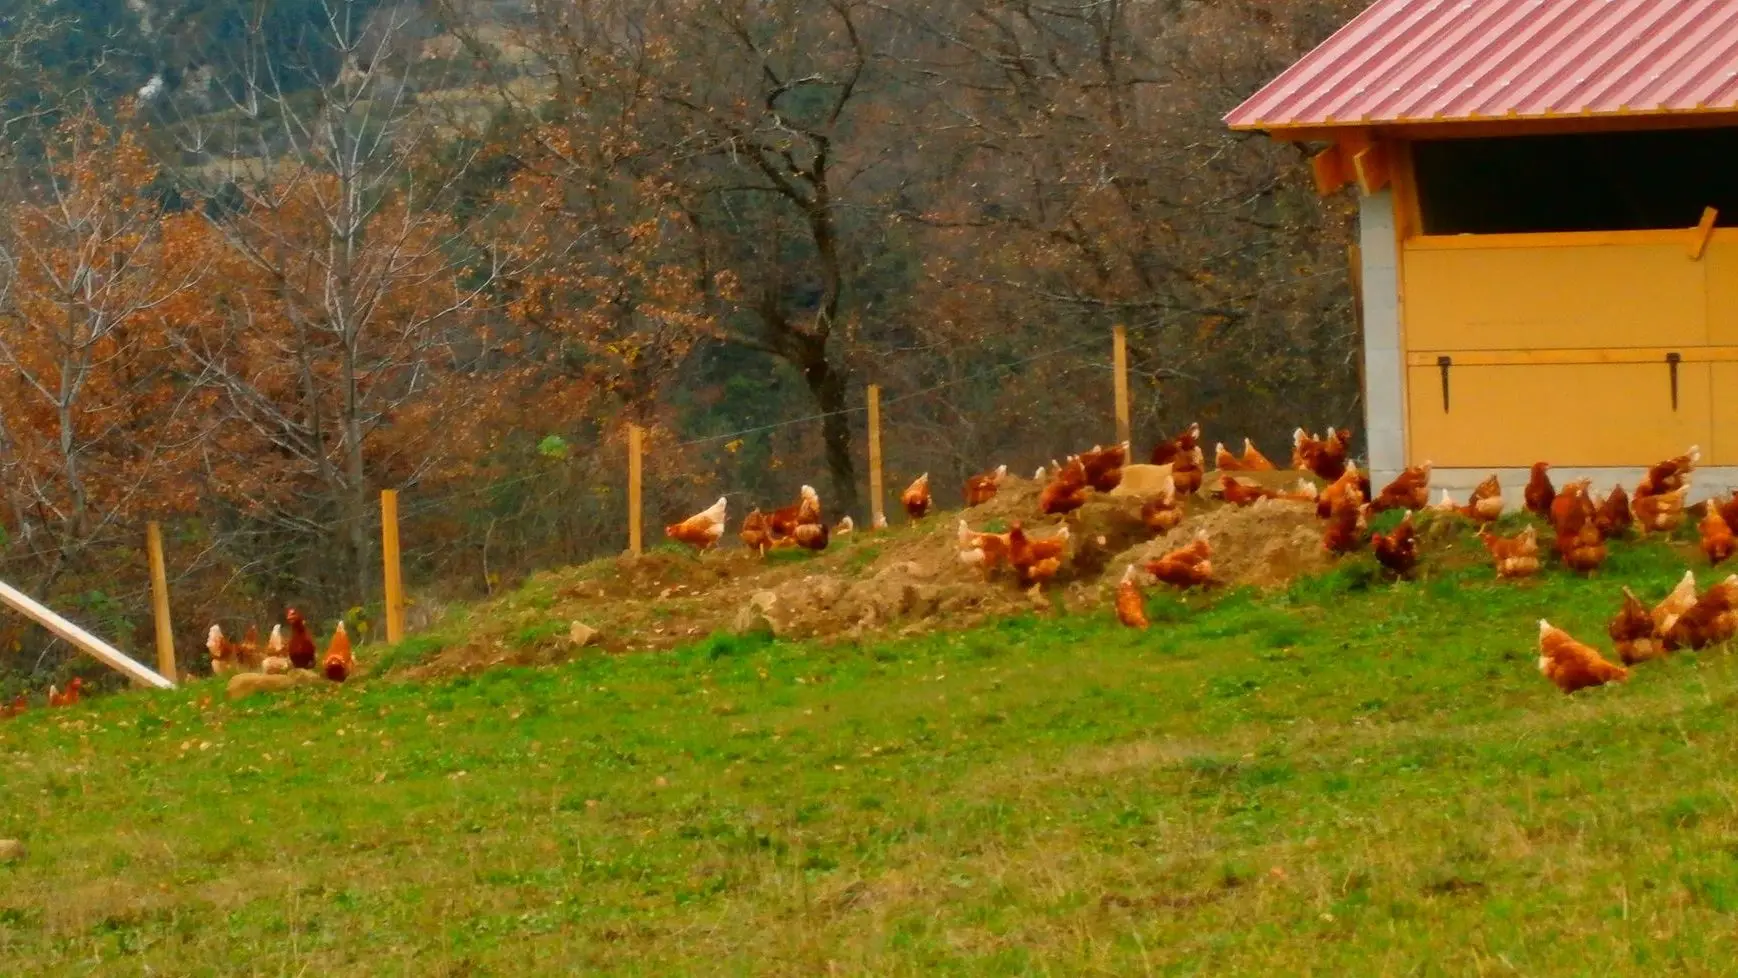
(1360, 132)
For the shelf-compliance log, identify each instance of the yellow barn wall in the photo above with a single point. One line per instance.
(1720, 265)
(1554, 298)
(1724, 447)
(1581, 415)
(1560, 344)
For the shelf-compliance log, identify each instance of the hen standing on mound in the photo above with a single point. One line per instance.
(701, 531)
(1036, 561)
(1183, 455)
(980, 489)
(277, 660)
(1103, 466)
(1186, 567)
(915, 498)
(1397, 551)
(1409, 490)
(1066, 492)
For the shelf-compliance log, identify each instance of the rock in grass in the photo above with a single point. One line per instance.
(756, 616)
(582, 635)
(12, 851)
(248, 683)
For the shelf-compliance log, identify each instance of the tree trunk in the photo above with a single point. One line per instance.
(827, 386)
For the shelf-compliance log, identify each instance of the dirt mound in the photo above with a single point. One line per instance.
(902, 596)
(1017, 499)
(903, 580)
(1266, 545)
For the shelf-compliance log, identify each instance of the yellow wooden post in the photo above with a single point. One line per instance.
(876, 516)
(160, 602)
(636, 443)
(391, 568)
(1120, 337)
(1370, 166)
(1329, 167)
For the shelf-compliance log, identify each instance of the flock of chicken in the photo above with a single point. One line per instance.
(21, 703)
(281, 654)
(1581, 526)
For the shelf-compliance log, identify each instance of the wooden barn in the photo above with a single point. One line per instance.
(1548, 241)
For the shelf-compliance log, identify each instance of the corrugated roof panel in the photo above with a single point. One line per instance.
(1466, 60)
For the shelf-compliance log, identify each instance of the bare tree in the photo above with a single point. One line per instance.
(1094, 184)
(348, 328)
(93, 421)
(752, 117)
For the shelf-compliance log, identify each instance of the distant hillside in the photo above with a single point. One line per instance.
(107, 48)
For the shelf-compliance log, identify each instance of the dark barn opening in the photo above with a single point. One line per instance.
(1618, 181)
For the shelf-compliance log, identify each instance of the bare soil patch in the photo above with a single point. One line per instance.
(905, 580)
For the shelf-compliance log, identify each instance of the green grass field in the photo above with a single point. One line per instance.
(1352, 777)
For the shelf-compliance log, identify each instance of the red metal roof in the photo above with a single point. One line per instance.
(1463, 60)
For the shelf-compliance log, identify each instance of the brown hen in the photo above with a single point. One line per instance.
(1632, 632)
(1397, 551)
(1717, 541)
(1066, 491)
(1185, 567)
(1409, 490)
(1572, 665)
(1131, 607)
(1539, 492)
(980, 489)
(1614, 515)
(915, 498)
(1713, 619)
(1516, 556)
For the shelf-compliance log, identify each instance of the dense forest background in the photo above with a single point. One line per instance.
(266, 259)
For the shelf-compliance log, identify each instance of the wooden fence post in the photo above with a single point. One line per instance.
(160, 602)
(1120, 349)
(636, 443)
(876, 516)
(392, 570)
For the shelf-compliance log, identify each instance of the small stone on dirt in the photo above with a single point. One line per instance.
(1142, 481)
(581, 634)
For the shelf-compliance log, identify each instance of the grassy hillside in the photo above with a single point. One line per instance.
(1345, 777)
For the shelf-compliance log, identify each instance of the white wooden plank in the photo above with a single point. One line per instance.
(30, 608)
